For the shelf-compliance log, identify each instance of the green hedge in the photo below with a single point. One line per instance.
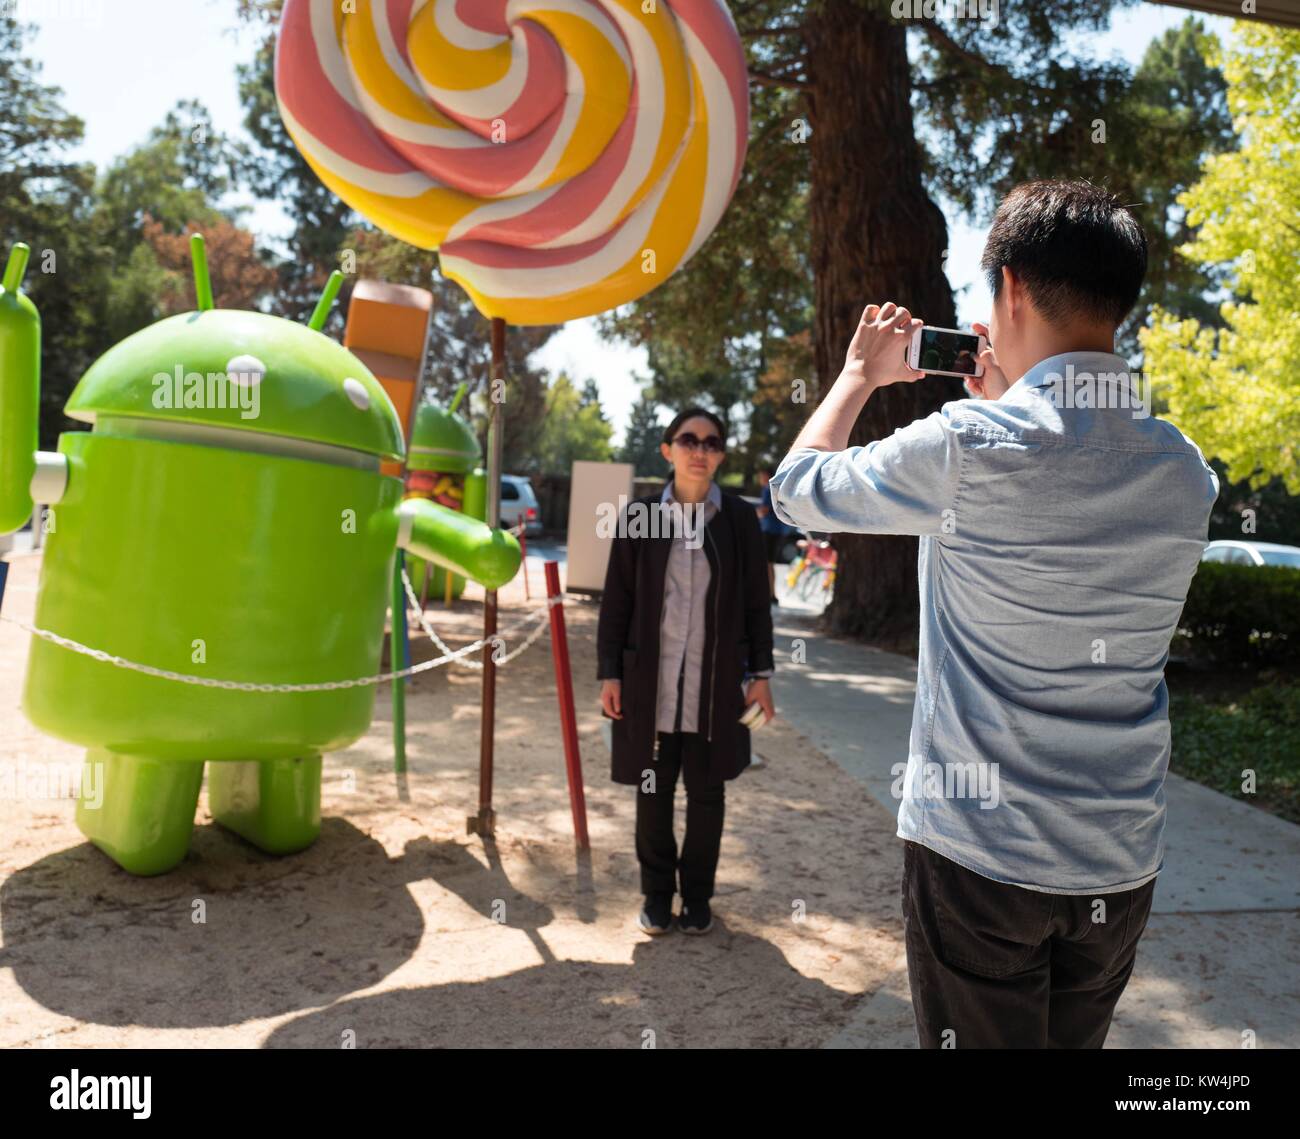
(1242, 615)
(1215, 742)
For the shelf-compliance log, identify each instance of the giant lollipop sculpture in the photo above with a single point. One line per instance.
(563, 156)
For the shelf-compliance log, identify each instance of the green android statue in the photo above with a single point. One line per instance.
(443, 466)
(224, 518)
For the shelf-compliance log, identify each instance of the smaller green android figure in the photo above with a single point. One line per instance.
(226, 518)
(443, 466)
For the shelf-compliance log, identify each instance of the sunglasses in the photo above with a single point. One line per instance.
(710, 443)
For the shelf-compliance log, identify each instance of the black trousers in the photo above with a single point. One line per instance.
(998, 966)
(656, 846)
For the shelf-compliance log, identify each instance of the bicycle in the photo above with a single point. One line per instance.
(813, 570)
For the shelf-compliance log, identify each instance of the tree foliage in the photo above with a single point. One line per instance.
(108, 251)
(992, 107)
(711, 330)
(1236, 389)
(837, 207)
(642, 437)
(45, 199)
(179, 175)
(275, 170)
(573, 428)
(240, 278)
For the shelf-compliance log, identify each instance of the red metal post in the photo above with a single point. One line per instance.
(568, 718)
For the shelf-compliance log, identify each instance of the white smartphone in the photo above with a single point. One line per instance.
(752, 717)
(946, 352)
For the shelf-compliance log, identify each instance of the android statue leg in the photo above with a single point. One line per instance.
(137, 810)
(273, 803)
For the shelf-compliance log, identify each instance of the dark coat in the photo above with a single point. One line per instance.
(737, 637)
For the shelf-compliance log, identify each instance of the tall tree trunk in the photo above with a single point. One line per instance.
(876, 236)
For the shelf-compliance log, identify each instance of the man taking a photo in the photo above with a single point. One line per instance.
(1060, 527)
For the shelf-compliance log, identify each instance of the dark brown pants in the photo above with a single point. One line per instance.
(998, 966)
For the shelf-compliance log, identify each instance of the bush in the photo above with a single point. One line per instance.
(1243, 615)
(1215, 742)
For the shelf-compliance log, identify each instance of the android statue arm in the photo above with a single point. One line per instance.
(457, 542)
(27, 476)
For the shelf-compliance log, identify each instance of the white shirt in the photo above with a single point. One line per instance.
(681, 625)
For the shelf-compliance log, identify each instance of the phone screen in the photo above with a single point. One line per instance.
(944, 351)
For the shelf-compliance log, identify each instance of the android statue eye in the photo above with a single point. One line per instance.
(246, 371)
(356, 392)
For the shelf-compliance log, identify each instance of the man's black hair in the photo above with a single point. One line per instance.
(670, 432)
(1079, 252)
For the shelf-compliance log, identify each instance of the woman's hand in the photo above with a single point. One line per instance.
(993, 383)
(760, 691)
(611, 698)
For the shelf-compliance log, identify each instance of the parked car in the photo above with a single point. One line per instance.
(1235, 553)
(519, 504)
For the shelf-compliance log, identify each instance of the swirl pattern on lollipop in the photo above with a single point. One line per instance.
(564, 156)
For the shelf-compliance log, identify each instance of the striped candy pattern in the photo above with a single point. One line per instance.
(564, 156)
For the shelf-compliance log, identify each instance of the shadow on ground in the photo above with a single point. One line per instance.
(271, 937)
(269, 945)
(567, 1004)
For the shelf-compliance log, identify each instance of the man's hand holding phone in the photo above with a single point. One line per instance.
(876, 355)
(992, 383)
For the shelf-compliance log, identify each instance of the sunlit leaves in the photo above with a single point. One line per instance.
(1236, 391)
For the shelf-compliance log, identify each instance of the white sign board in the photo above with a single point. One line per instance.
(594, 493)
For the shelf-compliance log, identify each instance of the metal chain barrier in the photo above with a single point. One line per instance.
(237, 685)
(449, 656)
(442, 645)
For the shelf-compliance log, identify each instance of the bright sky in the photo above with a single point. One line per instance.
(123, 63)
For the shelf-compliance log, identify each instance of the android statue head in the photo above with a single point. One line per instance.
(225, 518)
(443, 441)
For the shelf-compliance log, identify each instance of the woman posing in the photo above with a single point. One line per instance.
(685, 646)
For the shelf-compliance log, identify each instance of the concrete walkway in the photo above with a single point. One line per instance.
(1221, 955)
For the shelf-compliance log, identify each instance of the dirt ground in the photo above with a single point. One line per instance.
(397, 929)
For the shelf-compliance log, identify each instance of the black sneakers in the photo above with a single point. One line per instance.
(696, 917)
(657, 914)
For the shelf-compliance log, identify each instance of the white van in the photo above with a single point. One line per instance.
(519, 504)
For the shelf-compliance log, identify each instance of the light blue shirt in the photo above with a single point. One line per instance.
(1060, 528)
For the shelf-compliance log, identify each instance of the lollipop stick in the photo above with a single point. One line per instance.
(484, 823)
